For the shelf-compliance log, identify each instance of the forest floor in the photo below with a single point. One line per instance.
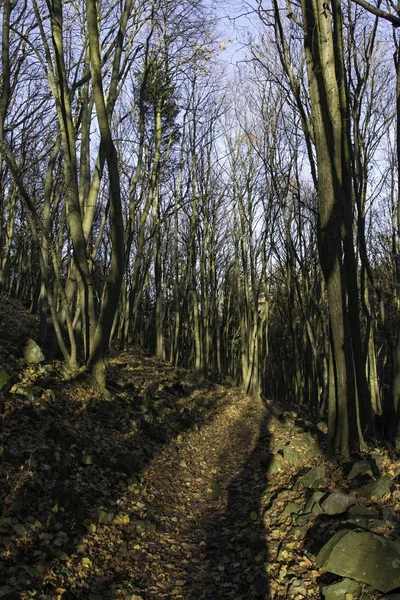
(167, 491)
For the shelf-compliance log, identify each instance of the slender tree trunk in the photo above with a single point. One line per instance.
(101, 339)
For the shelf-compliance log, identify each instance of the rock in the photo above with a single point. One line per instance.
(376, 489)
(277, 464)
(338, 591)
(313, 477)
(378, 458)
(47, 397)
(105, 516)
(29, 392)
(291, 508)
(356, 523)
(313, 504)
(89, 458)
(31, 351)
(303, 425)
(297, 587)
(390, 514)
(362, 556)
(4, 379)
(337, 503)
(305, 443)
(363, 467)
(276, 448)
(361, 480)
(293, 456)
(362, 511)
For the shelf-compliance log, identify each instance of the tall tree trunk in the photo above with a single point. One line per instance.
(100, 343)
(323, 46)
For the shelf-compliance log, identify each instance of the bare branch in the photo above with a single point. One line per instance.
(378, 12)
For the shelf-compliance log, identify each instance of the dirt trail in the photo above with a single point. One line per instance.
(203, 494)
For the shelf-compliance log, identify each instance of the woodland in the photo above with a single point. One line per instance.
(243, 223)
(203, 252)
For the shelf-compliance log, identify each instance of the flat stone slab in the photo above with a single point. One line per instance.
(338, 591)
(291, 508)
(362, 556)
(313, 477)
(293, 456)
(313, 505)
(277, 464)
(337, 503)
(376, 489)
(363, 467)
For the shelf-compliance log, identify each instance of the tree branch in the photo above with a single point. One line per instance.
(378, 12)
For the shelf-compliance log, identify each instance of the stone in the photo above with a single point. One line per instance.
(305, 443)
(31, 351)
(291, 508)
(276, 465)
(356, 522)
(302, 425)
(338, 591)
(276, 448)
(390, 514)
(4, 379)
(337, 503)
(362, 511)
(293, 456)
(313, 504)
(376, 489)
(363, 467)
(362, 556)
(361, 480)
(29, 392)
(378, 458)
(313, 477)
(296, 588)
(105, 516)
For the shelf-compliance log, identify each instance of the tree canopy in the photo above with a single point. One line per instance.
(241, 222)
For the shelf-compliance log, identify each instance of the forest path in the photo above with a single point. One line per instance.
(203, 492)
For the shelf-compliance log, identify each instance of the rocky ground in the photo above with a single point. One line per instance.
(179, 488)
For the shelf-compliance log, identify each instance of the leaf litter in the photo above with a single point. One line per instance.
(164, 492)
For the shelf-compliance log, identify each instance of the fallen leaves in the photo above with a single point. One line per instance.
(196, 516)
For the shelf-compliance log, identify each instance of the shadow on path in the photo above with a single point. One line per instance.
(236, 551)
